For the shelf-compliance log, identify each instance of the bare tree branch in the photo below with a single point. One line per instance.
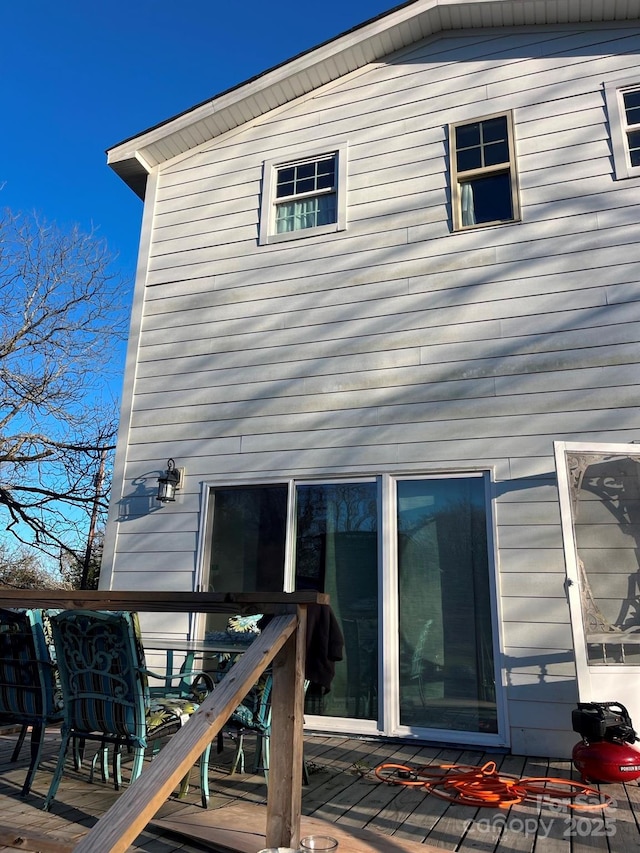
(61, 318)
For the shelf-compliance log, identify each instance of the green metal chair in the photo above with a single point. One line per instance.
(252, 716)
(29, 690)
(106, 694)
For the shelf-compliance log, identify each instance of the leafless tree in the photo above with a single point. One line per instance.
(62, 318)
(21, 568)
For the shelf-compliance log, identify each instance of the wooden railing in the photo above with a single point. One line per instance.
(282, 643)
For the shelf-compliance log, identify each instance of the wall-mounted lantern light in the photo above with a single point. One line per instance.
(168, 483)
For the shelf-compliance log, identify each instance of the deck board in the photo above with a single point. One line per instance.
(343, 792)
(241, 828)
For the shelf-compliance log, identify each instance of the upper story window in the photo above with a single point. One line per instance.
(623, 107)
(304, 196)
(631, 101)
(484, 182)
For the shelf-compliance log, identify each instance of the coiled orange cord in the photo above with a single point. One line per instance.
(485, 786)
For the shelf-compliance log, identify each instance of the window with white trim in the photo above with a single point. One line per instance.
(304, 196)
(623, 108)
(484, 182)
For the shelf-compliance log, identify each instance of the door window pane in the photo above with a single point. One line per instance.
(605, 498)
(446, 665)
(337, 553)
(248, 542)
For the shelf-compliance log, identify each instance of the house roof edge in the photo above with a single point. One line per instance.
(133, 158)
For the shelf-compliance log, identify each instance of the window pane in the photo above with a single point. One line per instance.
(287, 175)
(446, 662)
(337, 553)
(325, 182)
(632, 99)
(487, 200)
(306, 185)
(308, 213)
(494, 129)
(496, 152)
(306, 170)
(248, 539)
(632, 106)
(469, 158)
(606, 520)
(327, 210)
(468, 135)
(634, 147)
(285, 189)
(633, 117)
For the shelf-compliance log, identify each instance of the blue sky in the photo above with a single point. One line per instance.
(79, 77)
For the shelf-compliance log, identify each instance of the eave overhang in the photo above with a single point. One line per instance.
(369, 42)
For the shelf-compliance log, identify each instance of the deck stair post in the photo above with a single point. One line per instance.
(286, 755)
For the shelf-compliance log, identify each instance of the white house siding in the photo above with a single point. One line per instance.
(397, 345)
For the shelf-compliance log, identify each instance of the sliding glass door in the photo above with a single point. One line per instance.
(446, 662)
(429, 639)
(336, 551)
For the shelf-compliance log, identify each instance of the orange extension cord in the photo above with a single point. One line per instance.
(485, 786)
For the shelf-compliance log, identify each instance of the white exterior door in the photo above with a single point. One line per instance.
(599, 486)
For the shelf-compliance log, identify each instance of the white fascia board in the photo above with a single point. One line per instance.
(366, 43)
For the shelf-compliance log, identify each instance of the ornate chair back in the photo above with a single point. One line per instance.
(106, 692)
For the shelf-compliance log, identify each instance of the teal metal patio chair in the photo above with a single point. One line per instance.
(253, 717)
(29, 689)
(106, 694)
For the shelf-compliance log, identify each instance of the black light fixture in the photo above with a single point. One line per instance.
(171, 481)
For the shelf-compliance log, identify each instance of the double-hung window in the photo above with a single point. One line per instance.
(623, 108)
(484, 183)
(304, 196)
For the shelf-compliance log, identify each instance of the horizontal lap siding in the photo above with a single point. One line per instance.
(397, 345)
(256, 331)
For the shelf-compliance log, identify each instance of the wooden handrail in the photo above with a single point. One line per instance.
(282, 643)
(160, 602)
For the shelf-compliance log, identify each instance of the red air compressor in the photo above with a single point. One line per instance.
(605, 753)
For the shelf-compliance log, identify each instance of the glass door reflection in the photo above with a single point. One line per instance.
(337, 553)
(446, 663)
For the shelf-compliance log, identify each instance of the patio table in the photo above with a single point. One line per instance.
(191, 649)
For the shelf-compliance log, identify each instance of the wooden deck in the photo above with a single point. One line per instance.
(342, 791)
